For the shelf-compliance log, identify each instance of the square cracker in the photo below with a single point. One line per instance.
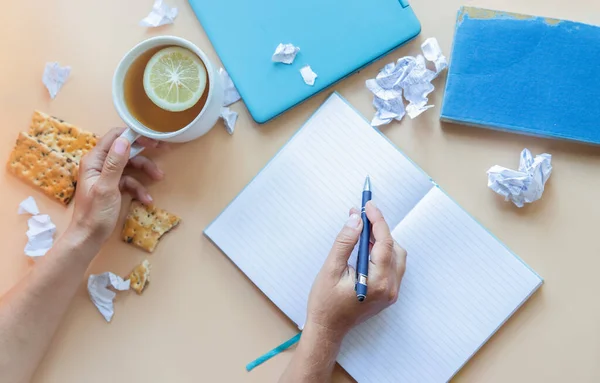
(145, 225)
(140, 277)
(61, 136)
(40, 166)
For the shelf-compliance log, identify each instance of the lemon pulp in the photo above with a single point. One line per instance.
(175, 79)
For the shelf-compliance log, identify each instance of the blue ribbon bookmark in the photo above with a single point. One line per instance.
(277, 350)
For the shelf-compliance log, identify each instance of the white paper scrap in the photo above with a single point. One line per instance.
(525, 185)
(101, 295)
(417, 85)
(41, 229)
(28, 206)
(387, 110)
(54, 77)
(407, 79)
(308, 75)
(432, 52)
(40, 235)
(229, 119)
(285, 53)
(231, 93)
(161, 14)
(415, 110)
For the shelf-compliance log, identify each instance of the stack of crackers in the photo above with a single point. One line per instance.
(47, 157)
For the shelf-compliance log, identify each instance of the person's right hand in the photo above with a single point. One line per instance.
(333, 306)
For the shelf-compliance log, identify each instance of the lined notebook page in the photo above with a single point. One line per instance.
(279, 230)
(460, 286)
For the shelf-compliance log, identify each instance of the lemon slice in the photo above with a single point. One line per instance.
(175, 79)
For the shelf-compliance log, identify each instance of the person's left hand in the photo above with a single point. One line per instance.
(101, 181)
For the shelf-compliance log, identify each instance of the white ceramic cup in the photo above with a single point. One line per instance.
(199, 126)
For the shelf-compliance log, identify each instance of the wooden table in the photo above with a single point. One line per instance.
(173, 333)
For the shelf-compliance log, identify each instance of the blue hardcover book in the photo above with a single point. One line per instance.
(525, 74)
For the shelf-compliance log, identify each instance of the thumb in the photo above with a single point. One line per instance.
(115, 162)
(344, 243)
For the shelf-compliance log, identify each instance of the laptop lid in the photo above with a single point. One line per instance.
(336, 38)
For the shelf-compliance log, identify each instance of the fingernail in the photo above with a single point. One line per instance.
(148, 197)
(372, 204)
(160, 173)
(121, 145)
(353, 221)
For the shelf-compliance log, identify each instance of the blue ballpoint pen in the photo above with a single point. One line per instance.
(362, 263)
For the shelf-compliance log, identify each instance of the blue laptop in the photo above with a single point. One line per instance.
(336, 38)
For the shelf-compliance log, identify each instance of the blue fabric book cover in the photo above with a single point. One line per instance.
(525, 74)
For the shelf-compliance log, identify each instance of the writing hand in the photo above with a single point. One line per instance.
(333, 305)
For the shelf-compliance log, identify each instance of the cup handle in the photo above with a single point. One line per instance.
(131, 136)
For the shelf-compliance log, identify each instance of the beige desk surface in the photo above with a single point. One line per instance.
(173, 333)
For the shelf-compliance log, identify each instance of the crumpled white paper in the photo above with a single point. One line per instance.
(28, 206)
(525, 185)
(40, 234)
(285, 53)
(417, 85)
(308, 75)
(231, 93)
(387, 110)
(408, 79)
(54, 77)
(432, 52)
(101, 295)
(161, 14)
(41, 229)
(229, 119)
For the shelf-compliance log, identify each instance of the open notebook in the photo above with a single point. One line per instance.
(461, 283)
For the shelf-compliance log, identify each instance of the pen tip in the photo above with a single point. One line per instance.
(367, 184)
